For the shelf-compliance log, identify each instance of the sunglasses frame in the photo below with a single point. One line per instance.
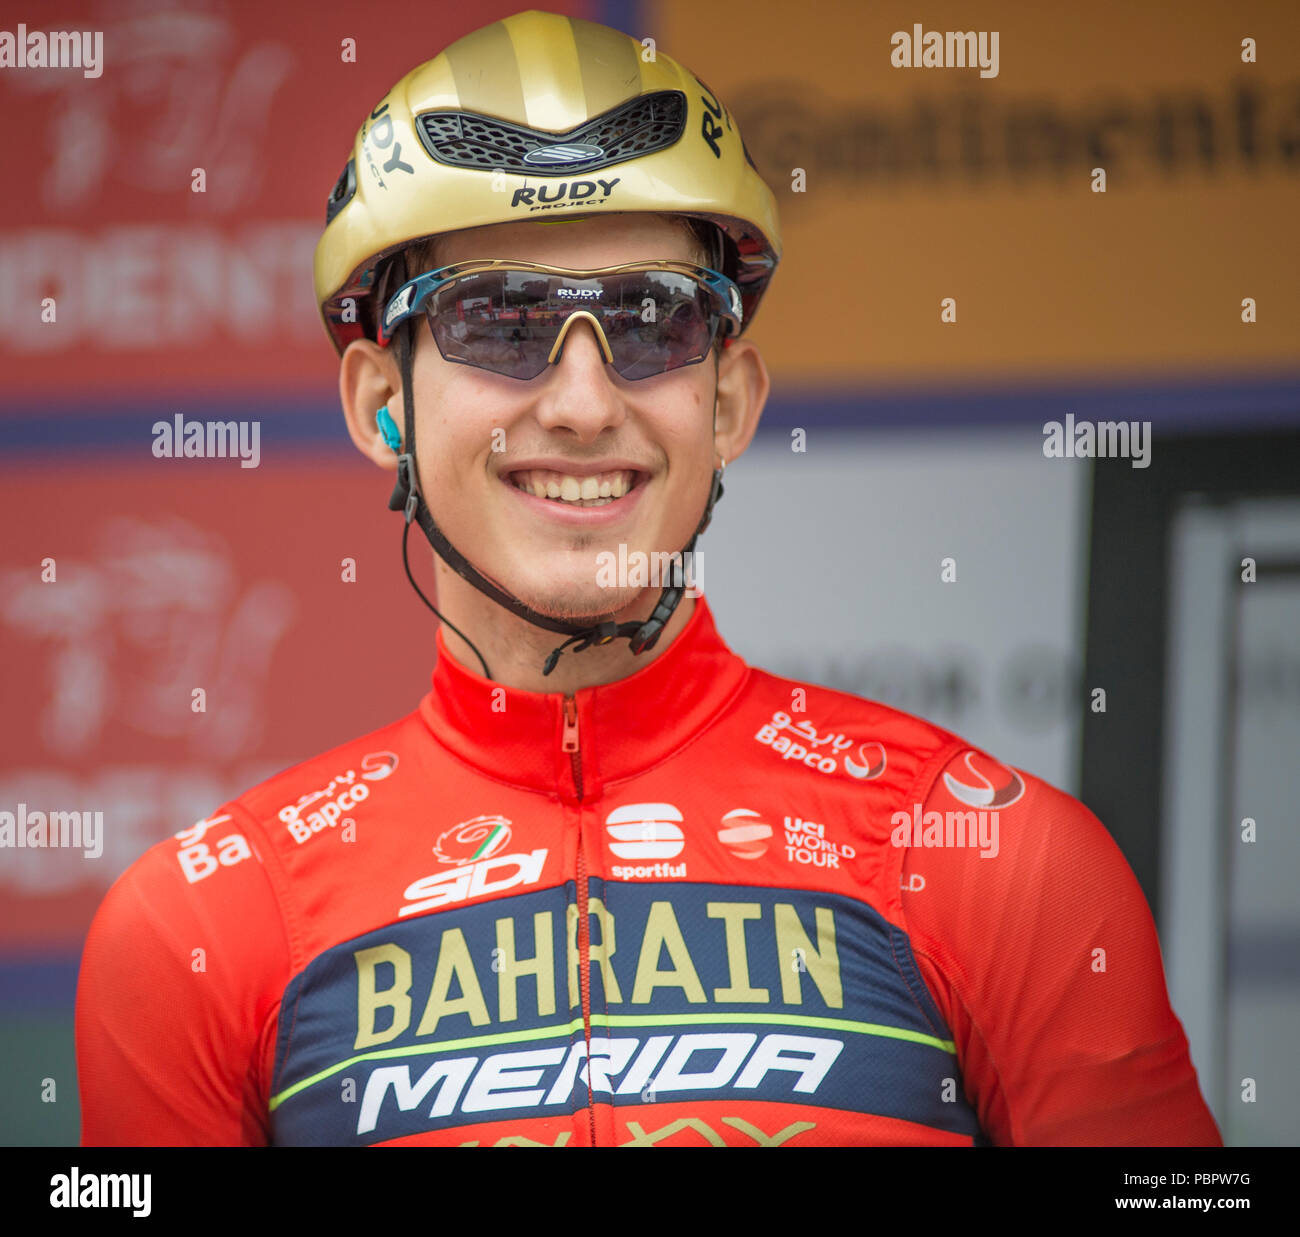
(413, 296)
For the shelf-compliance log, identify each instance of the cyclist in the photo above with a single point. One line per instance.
(607, 884)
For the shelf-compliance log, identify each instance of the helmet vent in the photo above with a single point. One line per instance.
(341, 194)
(638, 127)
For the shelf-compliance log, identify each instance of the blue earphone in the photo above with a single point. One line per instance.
(387, 427)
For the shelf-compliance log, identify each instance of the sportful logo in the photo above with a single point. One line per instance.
(566, 152)
(646, 831)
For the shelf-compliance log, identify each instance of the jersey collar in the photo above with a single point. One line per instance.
(624, 727)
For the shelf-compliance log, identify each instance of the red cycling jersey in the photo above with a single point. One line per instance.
(700, 905)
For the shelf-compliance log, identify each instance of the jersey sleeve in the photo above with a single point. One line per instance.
(177, 996)
(1042, 954)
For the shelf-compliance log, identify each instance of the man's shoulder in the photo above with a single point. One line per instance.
(829, 716)
(326, 786)
(808, 722)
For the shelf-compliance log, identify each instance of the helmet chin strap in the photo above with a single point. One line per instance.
(407, 496)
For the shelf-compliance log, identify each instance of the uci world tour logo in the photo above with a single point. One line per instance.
(745, 833)
(472, 840)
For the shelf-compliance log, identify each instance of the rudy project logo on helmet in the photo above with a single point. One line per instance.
(472, 840)
(566, 193)
(565, 152)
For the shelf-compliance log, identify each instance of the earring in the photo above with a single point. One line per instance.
(387, 427)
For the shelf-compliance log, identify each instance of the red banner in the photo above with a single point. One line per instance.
(171, 204)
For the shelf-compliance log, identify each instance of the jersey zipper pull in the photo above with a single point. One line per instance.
(569, 743)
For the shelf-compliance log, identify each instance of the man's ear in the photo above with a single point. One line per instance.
(743, 385)
(369, 380)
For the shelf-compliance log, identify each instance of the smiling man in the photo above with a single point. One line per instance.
(533, 480)
(608, 884)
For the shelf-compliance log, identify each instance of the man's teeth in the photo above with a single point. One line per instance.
(580, 491)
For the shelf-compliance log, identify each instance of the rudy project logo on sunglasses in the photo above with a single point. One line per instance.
(400, 304)
(578, 294)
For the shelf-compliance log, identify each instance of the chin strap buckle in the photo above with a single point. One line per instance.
(406, 491)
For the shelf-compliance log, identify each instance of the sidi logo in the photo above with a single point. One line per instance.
(460, 884)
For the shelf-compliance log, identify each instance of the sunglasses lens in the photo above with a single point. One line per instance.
(508, 321)
(672, 327)
(485, 320)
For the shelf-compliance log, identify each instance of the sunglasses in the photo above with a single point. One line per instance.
(511, 318)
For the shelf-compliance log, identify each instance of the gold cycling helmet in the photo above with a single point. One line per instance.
(539, 116)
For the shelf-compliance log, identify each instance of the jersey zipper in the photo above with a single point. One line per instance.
(570, 744)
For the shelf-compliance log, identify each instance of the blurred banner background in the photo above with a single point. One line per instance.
(924, 440)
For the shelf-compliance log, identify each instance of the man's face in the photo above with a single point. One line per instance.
(579, 426)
